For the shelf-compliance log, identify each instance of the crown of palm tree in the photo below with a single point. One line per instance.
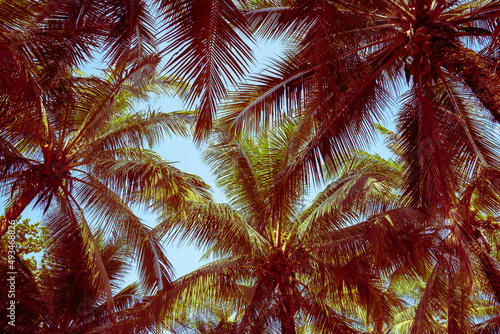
(87, 162)
(298, 264)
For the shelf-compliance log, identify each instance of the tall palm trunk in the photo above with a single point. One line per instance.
(473, 70)
(287, 311)
(15, 210)
(492, 274)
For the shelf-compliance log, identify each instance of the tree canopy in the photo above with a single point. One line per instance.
(406, 243)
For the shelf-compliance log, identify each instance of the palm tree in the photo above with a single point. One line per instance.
(427, 40)
(460, 196)
(431, 41)
(36, 49)
(67, 298)
(42, 41)
(284, 262)
(346, 62)
(89, 161)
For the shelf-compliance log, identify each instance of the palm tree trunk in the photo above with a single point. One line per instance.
(15, 210)
(453, 316)
(491, 272)
(287, 310)
(472, 69)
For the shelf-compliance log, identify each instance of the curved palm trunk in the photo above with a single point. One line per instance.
(469, 66)
(492, 274)
(15, 210)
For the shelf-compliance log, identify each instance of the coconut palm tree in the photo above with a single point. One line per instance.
(443, 42)
(90, 161)
(36, 49)
(386, 40)
(346, 62)
(42, 41)
(449, 257)
(460, 196)
(294, 262)
(67, 298)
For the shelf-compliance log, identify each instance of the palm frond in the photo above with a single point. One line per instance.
(207, 50)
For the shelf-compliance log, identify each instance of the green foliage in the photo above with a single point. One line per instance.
(31, 240)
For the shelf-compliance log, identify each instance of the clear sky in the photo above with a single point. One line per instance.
(187, 157)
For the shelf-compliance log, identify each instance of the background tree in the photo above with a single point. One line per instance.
(30, 239)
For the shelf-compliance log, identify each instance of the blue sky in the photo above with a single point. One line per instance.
(187, 158)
